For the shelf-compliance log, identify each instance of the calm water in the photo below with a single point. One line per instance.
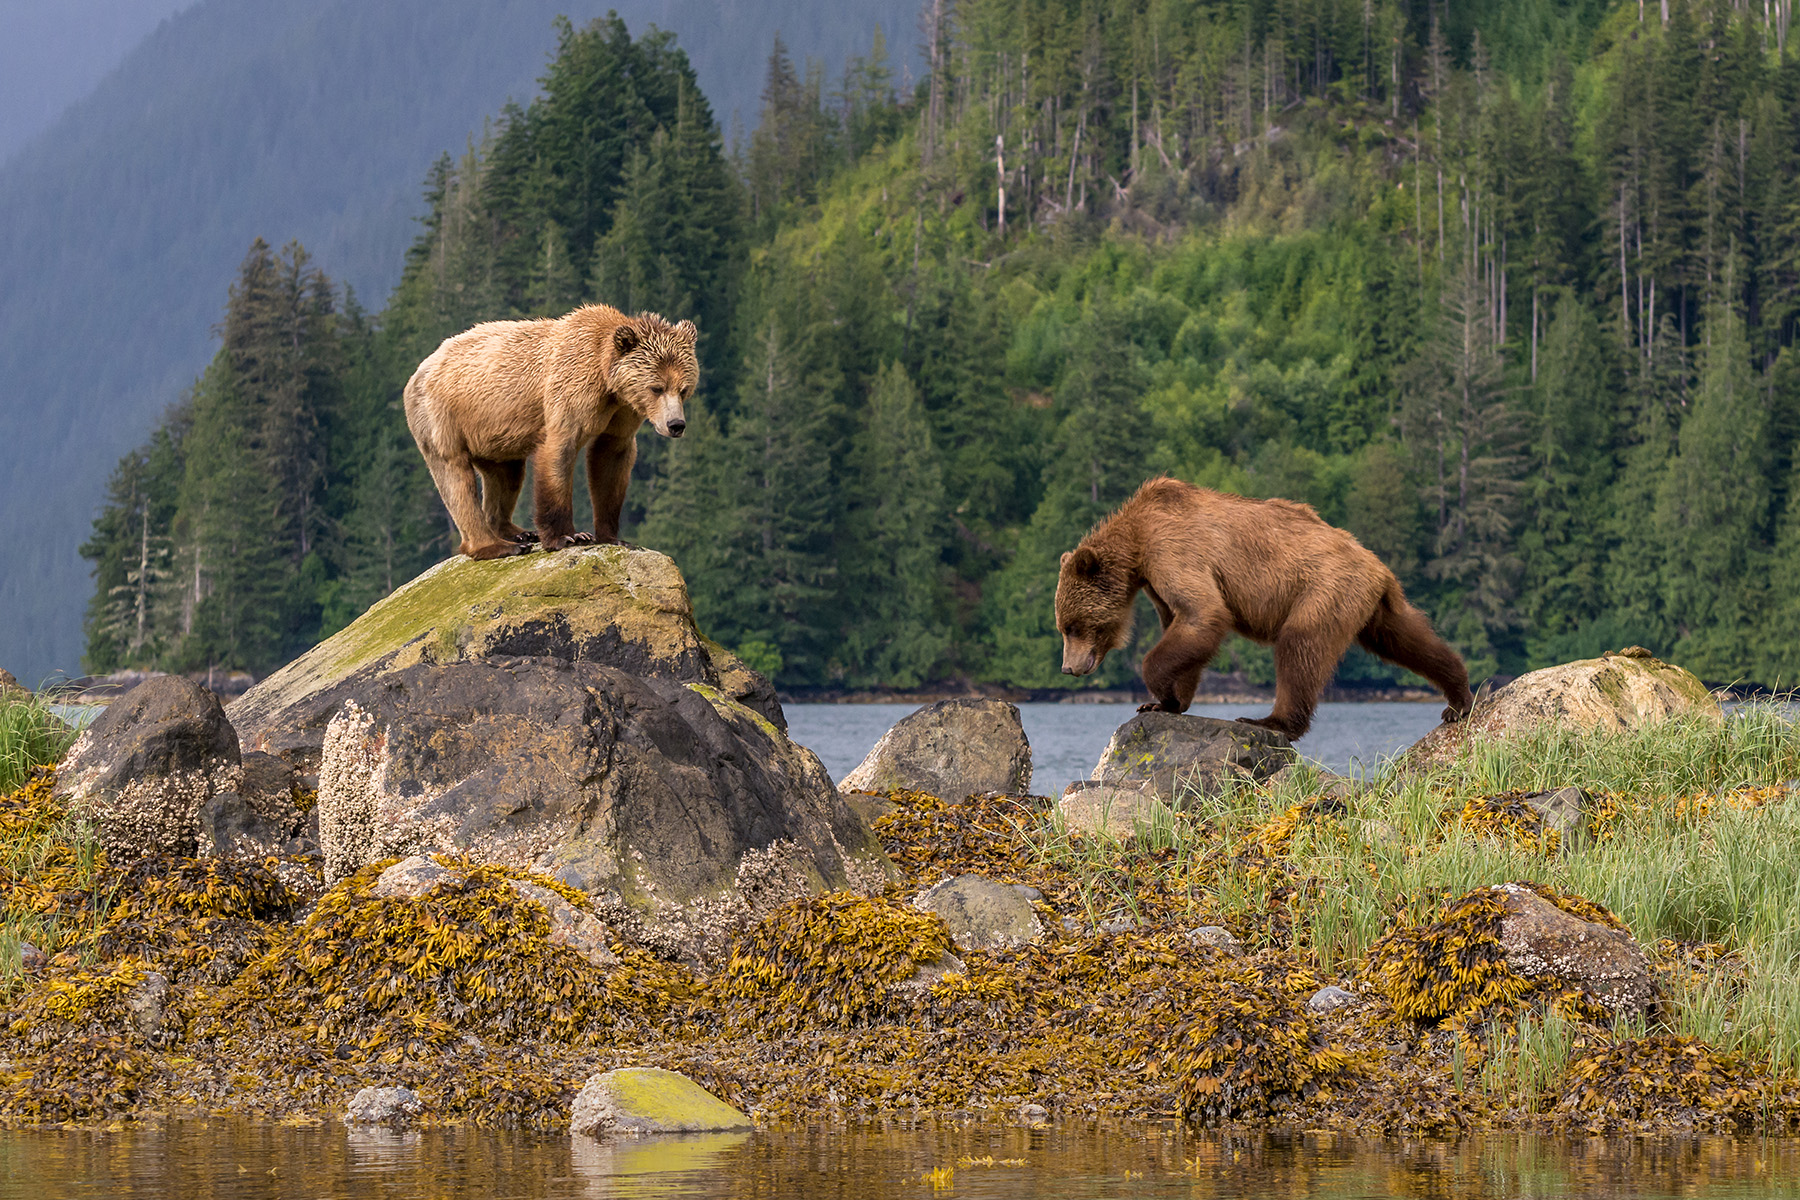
(228, 1160)
(1066, 739)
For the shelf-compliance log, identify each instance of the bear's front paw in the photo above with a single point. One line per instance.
(524, 537)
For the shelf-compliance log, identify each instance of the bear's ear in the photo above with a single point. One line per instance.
(1084, 561)
(625, 340)
(686, 330)
(1066, 557)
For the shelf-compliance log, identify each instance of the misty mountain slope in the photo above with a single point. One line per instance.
(317, 120)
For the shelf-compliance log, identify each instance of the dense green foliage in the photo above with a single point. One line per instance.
(1511, 293)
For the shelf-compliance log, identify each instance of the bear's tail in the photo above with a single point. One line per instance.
(1403, 635)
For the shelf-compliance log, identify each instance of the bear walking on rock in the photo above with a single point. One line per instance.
(503, 392)
(1270, 570)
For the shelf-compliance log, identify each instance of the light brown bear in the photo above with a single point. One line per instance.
(1270, 570)
(506, 391)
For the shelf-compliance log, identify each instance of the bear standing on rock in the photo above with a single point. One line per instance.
(506, 391)
(1270, 570)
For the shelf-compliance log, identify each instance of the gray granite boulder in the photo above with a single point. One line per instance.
(951, 749)
(981, 914)
(146, 767)
(1171, 753)
(1108, 810)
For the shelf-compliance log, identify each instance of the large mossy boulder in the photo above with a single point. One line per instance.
(951, 749)
(1166, 754)
(1610, 694)
(561, 713)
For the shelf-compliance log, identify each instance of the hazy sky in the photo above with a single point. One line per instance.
(52, 53)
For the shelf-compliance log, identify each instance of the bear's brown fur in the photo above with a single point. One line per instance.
(503, 392)
(1271, 570)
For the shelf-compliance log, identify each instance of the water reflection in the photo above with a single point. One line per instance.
(235, 1160)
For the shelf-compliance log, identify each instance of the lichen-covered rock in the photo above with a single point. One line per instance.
(603, 605)
(981, 914)
(952, 749)
(561, 713)
(1218, 937)
(396, 1107)
(1609, 694)
(637, 1100)
(146, 766)
(1545, 940)
(1173, 752)
(1106, 810)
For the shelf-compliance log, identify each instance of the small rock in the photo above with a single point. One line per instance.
(1317, 780)
(1104, 809)
(582, 932)
(1117, 925)
(1377, 832)
(1328, 998)
(396, 1107)
(1218, 937)
(30, 957)
(146, 1003)
(411, 878)
(1071, 925)
(1172, 753)
(9, 685)
(1033, 1112)
(1031, 894)
(1566, 812)
(952, 749)
(981, 914)
(650, 1100)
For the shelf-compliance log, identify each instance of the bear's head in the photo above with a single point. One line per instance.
(654, 369)
(1093, 609)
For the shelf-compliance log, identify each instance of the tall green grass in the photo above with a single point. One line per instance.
(31, 736)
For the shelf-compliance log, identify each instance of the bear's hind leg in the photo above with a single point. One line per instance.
(455, 479)
(1172, 667)
(1403, 635)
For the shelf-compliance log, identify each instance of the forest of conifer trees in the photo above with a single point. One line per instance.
(1509, 289)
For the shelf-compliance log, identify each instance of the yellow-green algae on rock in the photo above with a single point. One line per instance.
(651, 1100)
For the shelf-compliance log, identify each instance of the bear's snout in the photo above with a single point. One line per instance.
(677, 427)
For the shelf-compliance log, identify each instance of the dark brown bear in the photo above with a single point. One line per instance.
(1271, 570)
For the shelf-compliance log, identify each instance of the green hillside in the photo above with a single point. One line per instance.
(1510, 292)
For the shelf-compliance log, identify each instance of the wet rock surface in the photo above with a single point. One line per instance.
(641, 1100)
(953, 749)
(395, 1107)
(148, 764)
(1172, 752)
(1612, 693)
(982, 914)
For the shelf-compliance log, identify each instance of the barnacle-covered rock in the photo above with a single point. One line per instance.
(395, 1107)
(1663, 1082)
(146, 766)
(1496, 950)
(1609, 694)
(836, 960)
(639, 1100)
(1169, 753)
(561, 713)
(953, 749)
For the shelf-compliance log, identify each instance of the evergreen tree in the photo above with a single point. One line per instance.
(891, 572)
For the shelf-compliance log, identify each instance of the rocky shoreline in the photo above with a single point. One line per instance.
(523, 827)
